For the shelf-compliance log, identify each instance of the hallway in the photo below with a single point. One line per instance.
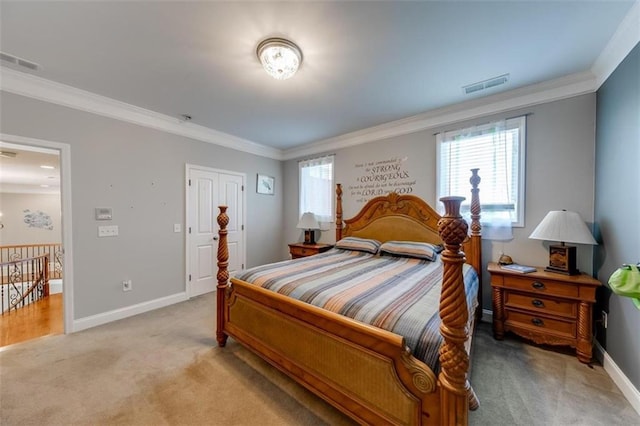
(38, 319)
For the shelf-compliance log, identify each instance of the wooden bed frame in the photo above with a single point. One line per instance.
(366, 372)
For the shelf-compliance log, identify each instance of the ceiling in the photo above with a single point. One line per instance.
(365, 63)
(24, 173)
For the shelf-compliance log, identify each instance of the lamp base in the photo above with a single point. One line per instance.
(309, 236)
(562, 260)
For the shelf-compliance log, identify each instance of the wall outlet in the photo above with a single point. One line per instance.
(127, 285)
(604, 319)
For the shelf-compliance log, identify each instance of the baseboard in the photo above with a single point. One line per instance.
(619, 378)
(129, 311)
(55, 286)
(487, 316)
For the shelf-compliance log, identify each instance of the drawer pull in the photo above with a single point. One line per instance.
(537, 303)
(537, 285)
(537, 321)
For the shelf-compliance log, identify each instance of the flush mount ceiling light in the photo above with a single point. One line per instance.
(279, 57)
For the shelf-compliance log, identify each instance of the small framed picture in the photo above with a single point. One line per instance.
(265, 184)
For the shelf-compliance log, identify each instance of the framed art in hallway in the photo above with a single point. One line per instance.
(265, 184)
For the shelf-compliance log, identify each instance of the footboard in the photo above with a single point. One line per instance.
(364, 371)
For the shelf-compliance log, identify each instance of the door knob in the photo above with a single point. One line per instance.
(215, 238)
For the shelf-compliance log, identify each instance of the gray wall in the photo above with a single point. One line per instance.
(617, 206)
(16, 231)
(559, 174)
(139, 173)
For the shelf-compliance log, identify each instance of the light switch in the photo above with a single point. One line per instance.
(177, 227)
(108, 231)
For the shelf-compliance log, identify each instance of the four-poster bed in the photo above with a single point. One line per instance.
(367, 372)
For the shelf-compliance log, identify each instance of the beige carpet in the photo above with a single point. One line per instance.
(158, 368)
(163, 368)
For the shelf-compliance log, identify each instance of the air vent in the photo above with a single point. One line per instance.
(19, 61)
(473, 88)
(7, 154)
(486, 84)
(8, 58)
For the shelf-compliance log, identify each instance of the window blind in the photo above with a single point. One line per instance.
(316, 187)
(497, 149)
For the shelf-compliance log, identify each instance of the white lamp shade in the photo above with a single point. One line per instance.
(308, 221)
(563, 226)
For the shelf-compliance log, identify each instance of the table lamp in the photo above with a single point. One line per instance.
(309, 223)
(565, 227)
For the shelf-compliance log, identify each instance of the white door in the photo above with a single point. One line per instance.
(207, 190)
(230, 195)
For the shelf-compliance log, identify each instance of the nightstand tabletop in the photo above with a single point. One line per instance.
(582, 278)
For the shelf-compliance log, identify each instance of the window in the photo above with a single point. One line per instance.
(316, 187)
(498, 150)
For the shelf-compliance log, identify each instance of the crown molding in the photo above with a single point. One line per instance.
(31, 86)
(549, 91)
(626, 37)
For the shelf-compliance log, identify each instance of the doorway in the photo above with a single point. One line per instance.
(44, 185)
(207, 189)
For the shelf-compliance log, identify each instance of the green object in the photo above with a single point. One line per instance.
(625, 282)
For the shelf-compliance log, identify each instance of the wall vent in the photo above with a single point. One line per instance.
(8, 154)
(486, 84)
(19, 61)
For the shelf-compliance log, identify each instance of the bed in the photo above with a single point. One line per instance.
(367, 372)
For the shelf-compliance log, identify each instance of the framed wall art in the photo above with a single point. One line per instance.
(265, 184)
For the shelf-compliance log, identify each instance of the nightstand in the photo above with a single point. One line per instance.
(303, 250)
(545, 307)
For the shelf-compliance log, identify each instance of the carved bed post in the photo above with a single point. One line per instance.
(223, 275)
(454, 361)
(476, 239)
(338, 212)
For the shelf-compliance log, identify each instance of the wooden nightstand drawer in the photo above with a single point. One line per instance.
(541, 304)
(542, 286)
(543, 324)
(303, 250)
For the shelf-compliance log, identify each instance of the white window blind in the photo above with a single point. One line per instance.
(316, 187)
(498, 150)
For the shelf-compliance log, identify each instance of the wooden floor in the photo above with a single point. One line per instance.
(38, 319)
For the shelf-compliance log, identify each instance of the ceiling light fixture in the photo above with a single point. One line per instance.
(280, 58)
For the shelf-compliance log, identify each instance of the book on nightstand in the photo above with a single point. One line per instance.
(523, 269)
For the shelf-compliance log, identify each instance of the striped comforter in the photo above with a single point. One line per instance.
(397, 294)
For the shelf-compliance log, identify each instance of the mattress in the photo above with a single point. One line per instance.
(397, 294)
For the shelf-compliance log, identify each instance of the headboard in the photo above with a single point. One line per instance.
(393, 217)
